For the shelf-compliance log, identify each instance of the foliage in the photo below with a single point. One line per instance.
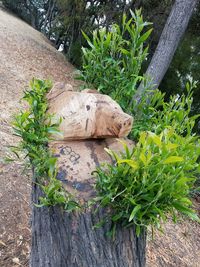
(34, 127)
(156, 177)
(32, 12)
(150, 181)
(112, 62)
(156, 114)
(56, 195)
(180, 69)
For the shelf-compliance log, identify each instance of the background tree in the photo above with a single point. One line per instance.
(174, 29)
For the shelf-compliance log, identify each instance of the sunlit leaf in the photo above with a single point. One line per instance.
(173, 159)
(132, 163)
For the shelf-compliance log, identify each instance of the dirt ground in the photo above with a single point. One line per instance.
(25, 53)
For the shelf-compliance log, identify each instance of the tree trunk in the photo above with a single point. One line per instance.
(173, 31)
(61, 239)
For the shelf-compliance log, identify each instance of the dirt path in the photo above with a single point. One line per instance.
(25, 53)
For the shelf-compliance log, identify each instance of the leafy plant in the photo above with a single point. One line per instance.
(56, 195)
(34, 127)
(150, 181)
(156, 114)
(155, 178)
(113, 61)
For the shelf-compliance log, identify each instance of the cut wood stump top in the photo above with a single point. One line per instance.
(78, 159)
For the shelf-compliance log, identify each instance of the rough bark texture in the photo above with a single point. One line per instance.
(174, 29)
(61, 239)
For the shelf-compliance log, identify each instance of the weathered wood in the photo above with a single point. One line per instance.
(78, 159)
(87, 114)
(61, 239)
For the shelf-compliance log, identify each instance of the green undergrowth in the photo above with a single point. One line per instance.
(145, 183)
(150, 181)
(156, 177)
(156, 114)
(35, 129)
(113, 59)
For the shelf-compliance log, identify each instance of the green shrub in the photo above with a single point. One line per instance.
(34, 127)
(113, 61)
(156, 177)
(150, 181)
(156, 114)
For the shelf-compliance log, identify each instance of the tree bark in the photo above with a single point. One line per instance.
(174, 29)
(61, 239)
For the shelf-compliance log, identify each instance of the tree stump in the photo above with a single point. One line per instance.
(61, 239)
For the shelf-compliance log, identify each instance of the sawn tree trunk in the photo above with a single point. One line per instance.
(61, 239)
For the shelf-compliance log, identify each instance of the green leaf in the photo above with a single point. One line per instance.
(112, 153)
(156, 139)
(173, 159)
(99, 224)
(183, 180)
(134, 211)
(116, 217)
(55, 131)
(170, 146)
(39, 205)
(128, 154)
(189, 212)
(143, 159)
(138, 230)
(143, 137)
(132, 163)
(8, 160)
(144, 37)
(71, 205)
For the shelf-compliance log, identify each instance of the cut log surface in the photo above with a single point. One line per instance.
(87, 114)
(61, 239)
(78, 159)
